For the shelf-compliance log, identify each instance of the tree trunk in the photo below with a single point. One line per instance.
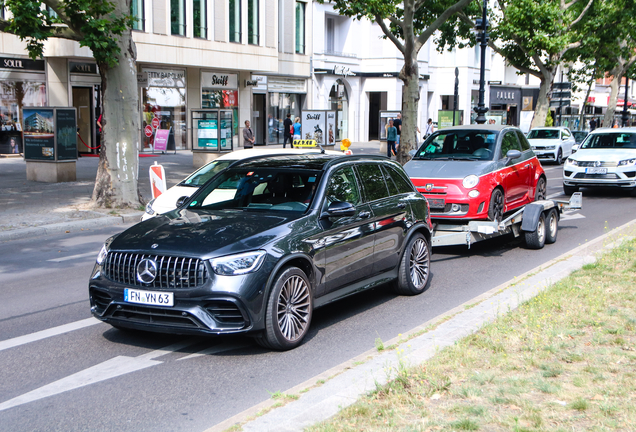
(615, 85)
(543, 103)
(587, 96)
(410, 75)
(116, 184)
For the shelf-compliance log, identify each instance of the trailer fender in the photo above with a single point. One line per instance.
(531, 214)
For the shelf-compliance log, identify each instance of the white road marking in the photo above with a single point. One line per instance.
(54, 331)
(112, 368)
(72, 257)
(215, 350)
(571, 216)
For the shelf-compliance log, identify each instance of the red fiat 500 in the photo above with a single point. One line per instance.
(477, 172)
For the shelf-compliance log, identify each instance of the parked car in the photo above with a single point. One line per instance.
(607, 157)
(262, 244)
(477, 172)
(551, 143)
(579, 137)
(167, 200)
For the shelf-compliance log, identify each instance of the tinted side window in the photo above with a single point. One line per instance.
(343, 187)
(509, 142)
(403, 186)
(389, 183)
(525, 145)
(373, 180)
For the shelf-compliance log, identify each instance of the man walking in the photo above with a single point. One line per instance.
(248, 136)
(288, 126)
(398, 126)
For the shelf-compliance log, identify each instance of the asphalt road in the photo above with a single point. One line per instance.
(62, 370)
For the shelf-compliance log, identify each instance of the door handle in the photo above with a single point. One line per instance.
(527, 165)
(364, 215)
(401, 205)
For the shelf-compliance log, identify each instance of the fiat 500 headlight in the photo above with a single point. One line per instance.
(627, 162)
(470, 181)
(239, 264)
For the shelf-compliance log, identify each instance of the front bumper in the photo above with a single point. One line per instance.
(451, 201)
(614, 177)
(550, 155)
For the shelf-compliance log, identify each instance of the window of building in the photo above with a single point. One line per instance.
(300, 28)
(330, 35)
(177, 17)
(252, 22)
(137, 12)
(235, 21)
(200, 14)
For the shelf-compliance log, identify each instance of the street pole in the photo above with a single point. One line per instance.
(481, 109)
(456, 96)
(625, 116)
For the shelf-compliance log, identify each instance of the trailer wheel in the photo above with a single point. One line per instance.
(536, 239)
(552, 226)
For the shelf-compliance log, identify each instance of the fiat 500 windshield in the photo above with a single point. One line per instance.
(259, 189)
(459, 145)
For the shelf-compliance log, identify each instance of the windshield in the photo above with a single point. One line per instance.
(459, 145)
(544, 134)
(260, 189)
(610, 141)
(579, 136)
(205, 173)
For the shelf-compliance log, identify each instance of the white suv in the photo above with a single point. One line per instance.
(551, 143)
(607, 157)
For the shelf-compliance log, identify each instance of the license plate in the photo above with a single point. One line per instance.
(436, 202)
(595, 170)
(148, 297)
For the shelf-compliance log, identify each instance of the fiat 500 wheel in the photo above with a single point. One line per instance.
(496, 207)
(540, 192)
(415, 265)
(289, 311)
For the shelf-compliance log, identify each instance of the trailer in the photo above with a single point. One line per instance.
(537, 221)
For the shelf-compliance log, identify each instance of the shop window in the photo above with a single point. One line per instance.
(200, 14)
(177, 17)
(339, 101)
(300, 28)
(15, 95)
(228, 99)
(235, 21)
(137, 12)
(279, 105)
(252, 22)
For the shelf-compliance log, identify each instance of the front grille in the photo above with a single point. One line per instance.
(226, 313)
(172, 272)
(166, 317)
(593, 164)
(610, 176)
(448, 207)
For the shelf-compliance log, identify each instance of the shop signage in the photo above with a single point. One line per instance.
(21, 64)
(262, 82)
(219, 80)
(148, 131)
(342, 70)
(251, 83)
(82, 68)
(165, 78)
(161, 139)
(142, 79)
(504, 96)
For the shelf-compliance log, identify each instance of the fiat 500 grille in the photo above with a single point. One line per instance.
(172, 272)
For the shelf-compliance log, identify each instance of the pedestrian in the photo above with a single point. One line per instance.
(398, 126)
(297, 129)
(429, 128)
(593, 124)
(288, 125)
(248, 136)
(615, 125)
(391, 138)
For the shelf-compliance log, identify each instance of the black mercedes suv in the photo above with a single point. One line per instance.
(262, 244)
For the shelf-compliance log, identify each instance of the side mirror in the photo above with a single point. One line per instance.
(340, 209)
(181, 201)
(513, 154)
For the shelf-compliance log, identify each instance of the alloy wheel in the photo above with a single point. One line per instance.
(419, 264)
(293, 308)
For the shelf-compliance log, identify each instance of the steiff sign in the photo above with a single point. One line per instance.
(219, 80)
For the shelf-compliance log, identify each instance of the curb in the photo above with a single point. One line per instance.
(345, 383)
(71, 226)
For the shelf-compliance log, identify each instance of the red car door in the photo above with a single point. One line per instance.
(515, 175)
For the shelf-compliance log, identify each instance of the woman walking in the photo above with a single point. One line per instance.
(297, 129)
(391, 137)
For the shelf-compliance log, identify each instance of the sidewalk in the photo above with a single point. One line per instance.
(31, 209)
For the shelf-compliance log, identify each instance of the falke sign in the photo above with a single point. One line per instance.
(21, 64)
(219, 80)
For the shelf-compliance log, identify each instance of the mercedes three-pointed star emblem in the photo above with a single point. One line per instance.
(146, 270)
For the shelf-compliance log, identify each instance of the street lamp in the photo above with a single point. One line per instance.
(481, 25)
(625, 116)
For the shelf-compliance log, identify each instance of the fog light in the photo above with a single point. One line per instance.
(473, 193)
(455, 208)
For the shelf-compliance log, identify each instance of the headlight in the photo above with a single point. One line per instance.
(101, 256)
(550, 147)
(627, 162)
(470, 181)
(149, 209)
(570, 161)
(244, 263)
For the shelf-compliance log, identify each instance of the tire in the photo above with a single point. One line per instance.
(569, 190)
(536, 238)
(288, 312)
(540, 191)
(415, 267)
(496, 206)
(551, 226)
(559, 157)
(632, 192)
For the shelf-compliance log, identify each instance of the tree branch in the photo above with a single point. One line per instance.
(520, 68)
(583, 12)
(387, 32)
(426, 34)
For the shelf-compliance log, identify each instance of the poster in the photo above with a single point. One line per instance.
(66, 131)
(226, 131)
(497, 117)
(207, 134)
(330, 136)
(313, 126)
(39, 139)
(161, 139)
(445, 118)
(526, 121)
